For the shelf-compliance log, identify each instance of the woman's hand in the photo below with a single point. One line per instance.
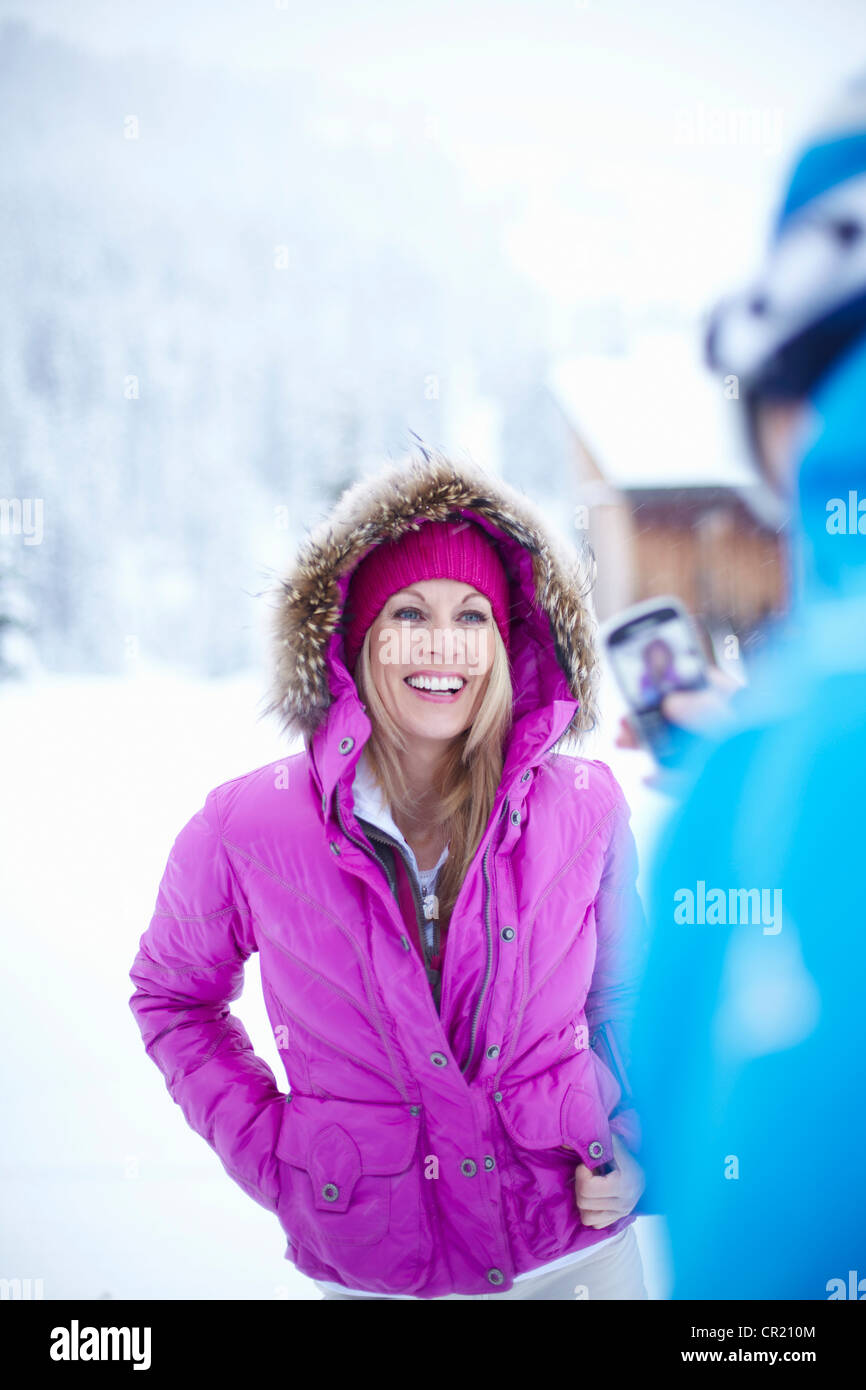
(603, 1199)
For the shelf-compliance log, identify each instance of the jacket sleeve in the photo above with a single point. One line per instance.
(189, 967)
(621, 952)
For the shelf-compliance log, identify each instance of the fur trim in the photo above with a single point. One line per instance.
(381, 507)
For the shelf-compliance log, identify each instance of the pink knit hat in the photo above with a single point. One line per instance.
(439, 550)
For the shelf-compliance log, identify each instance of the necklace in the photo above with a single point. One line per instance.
(430, 901)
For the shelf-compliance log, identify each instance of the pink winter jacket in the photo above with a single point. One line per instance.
(418, 1151)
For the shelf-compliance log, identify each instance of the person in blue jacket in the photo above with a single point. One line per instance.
(748, 1067)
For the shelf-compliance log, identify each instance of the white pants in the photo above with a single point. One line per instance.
(614, 1272)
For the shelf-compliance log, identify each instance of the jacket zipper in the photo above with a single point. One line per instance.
(489, 961)
(371, 855)
(389, 874)
(432, 975)
(359, 843)
(489, 935)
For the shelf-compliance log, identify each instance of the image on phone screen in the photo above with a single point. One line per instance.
(652, 658)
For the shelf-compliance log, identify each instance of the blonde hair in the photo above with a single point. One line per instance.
(468, 775)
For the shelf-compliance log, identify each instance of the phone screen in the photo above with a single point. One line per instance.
(654, 655)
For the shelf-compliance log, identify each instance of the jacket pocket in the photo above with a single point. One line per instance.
(572, 1115)
(585, 1125)
(351, 1201)
(552, 1121)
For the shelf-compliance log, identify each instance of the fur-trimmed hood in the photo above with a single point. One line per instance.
(552, 627)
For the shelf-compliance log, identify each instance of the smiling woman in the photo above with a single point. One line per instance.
(446, 912)
(435, 754)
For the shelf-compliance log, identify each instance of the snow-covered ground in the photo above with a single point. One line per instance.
(105, 1190)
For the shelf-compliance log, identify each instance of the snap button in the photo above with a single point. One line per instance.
(346, 745)
(414, 1110)
(526, 776)
(493, 1051)
(335, 848)
(507, 933)
(596, 1149)
(495, 1276)
(469, 1168)
(515, 817)
(497, 1095)
(330, 1192)
(438, 1059)
(489, 1162)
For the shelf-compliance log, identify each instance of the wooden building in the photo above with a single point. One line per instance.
(671, 503)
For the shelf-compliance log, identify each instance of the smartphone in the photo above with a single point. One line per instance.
(654, 648)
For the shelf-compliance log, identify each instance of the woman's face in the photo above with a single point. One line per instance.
(437, 632)
(658, 656)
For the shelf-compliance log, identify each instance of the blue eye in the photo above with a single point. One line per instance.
(400, 611)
